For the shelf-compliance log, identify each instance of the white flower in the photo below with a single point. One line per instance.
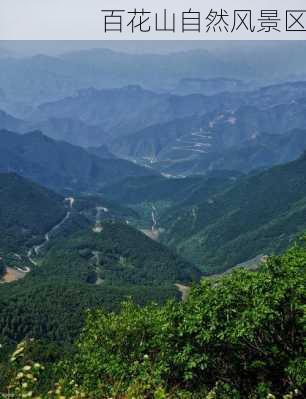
(19, 376)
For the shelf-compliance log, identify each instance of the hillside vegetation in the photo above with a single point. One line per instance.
(27, 212)
(86, 270)
(118, 254)
(135, 190)
(259, 214)
(239, 337)
(60, 165)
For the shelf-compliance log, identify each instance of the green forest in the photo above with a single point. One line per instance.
(261, 213)
(27, 211)
(87, 270)
(241, 335)
(153, 216)
(101, 313)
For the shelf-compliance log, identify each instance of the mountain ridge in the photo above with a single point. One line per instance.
(61, 165)
(273, 202)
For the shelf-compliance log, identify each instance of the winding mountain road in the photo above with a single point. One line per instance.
(35, 250)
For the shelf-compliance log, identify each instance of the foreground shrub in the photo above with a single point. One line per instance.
(241, 336)
(245, 332)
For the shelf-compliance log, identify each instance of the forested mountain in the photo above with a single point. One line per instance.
(185, 135)
(243, 139)
(95, 207)
(231, 131)
(259, 214)
(73, 131)
(75, 253)
(87, 269)
(125, 111)
(262, 151)
(60, 165)
(159, 188)
(165, 169)
(116, 255)
(191, 349)
(129, 109)
(195, 348)
(27, 212)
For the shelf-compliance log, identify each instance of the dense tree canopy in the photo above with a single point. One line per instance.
(241, 336)
(27, 211)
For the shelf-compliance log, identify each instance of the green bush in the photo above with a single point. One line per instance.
(241, 336)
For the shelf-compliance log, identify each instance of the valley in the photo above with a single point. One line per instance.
(181, 167)
(152, 225)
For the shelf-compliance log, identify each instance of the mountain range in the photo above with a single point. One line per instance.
(68, 261)
(60, 165)
(247, 138)
(186, 134)
(209, 223)
(131, 177)
(258, 214)
(129, 109)
(28, 81)
(223, 219)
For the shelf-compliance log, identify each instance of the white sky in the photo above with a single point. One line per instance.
(83, 19)
(21, 48)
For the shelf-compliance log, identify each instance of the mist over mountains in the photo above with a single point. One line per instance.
(150, 179)
(31, 80)
(60, 165)
(178, 135)
(162, 139)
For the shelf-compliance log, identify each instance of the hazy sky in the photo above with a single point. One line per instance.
(57, 47)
